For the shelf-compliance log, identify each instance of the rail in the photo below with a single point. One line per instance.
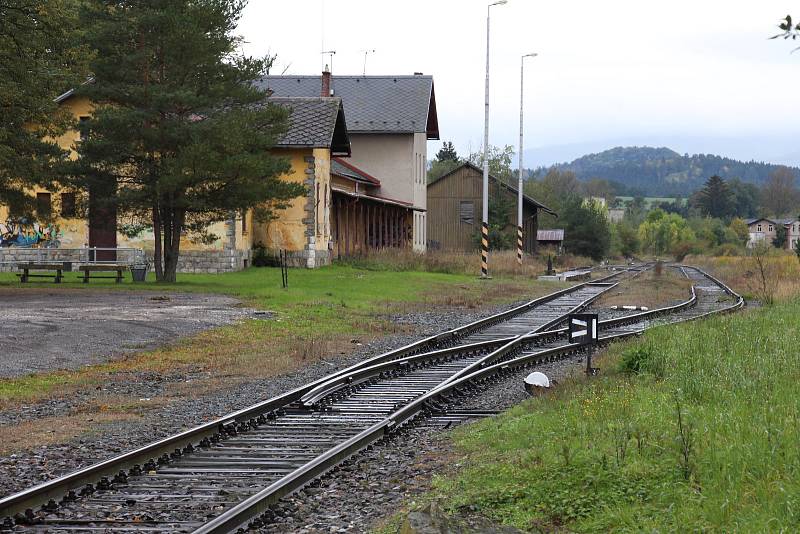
(171, 445)
(240, 514)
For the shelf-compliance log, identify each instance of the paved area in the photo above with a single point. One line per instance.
(44, 330)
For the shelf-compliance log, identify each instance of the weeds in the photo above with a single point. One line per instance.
(685, 440)
(712, 402)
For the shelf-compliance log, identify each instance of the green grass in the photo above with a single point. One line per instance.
(320, 313)
(693, 428)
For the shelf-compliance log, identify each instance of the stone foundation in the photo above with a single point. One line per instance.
(190, 261)
(309, 259)
(210, 261)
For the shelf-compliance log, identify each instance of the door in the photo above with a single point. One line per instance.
(102, 225)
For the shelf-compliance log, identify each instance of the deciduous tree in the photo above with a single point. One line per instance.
(661, 232)
(586, 228)
(779, 196)
(500, 160)
(180, 137)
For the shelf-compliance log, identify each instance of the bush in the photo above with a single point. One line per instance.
(727, 249)
(261, 257)
(636, 359)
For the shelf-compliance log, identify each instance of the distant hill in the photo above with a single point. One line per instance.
(649, 171)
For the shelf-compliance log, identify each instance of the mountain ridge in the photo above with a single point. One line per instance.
(661, 171)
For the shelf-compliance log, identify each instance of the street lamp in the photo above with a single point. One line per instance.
(519, 189)
(485, 225)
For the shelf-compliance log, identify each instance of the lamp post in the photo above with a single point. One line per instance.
(519, 188)
(485, 225)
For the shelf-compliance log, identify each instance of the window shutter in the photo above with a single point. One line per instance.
(467, 212)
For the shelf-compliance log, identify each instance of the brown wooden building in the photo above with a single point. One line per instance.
(362, 219)
(455, 202)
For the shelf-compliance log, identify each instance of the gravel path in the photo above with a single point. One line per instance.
(25, 468)
(45, 330)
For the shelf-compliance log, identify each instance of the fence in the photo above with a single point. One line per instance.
(11, 256)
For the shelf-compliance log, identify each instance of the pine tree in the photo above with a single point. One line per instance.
(180, 136)
(447, 152)
(39, 59)
(715, 199)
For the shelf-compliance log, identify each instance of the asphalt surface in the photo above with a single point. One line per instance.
(45, 330)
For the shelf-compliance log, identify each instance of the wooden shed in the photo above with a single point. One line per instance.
(455, 202)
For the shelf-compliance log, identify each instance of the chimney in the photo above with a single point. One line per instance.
(326, 82)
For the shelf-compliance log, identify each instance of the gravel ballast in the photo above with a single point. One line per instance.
(30, 467)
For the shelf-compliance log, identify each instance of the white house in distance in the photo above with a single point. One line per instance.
(389, 121)
(765, 229)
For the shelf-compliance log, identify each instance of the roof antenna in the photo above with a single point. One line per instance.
(331, 53)
(286, 68)
(364, 73)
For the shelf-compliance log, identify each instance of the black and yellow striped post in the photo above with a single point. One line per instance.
(519, 245)
(485, 250)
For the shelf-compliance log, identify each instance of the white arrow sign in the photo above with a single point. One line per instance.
(579, 333)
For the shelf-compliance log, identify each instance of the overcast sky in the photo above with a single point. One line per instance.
(694, 75)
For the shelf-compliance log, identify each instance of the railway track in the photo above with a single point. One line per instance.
(223, 476)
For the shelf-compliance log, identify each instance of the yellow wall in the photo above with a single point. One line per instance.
(322, 175)
(288, 230)
(61, 233)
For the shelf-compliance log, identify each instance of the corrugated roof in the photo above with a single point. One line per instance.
(374, 104)
(549, 235)
(348, 170)
(315, 122)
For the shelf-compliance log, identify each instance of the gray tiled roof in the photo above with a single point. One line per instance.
(377, 104)
(312, 121)
(774, 221)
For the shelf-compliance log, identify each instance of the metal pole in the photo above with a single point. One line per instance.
(519, 177)
(485, 219)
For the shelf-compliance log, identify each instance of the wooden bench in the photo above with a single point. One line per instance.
(103, 268)
(26, 269)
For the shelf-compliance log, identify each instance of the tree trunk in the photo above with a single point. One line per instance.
(157, 255)
(173, 224)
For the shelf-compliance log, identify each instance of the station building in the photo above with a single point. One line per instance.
(347, 209)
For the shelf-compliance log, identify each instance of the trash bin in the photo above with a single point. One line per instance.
(139, 273)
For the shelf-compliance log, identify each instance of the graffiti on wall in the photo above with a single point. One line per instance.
(27, 234)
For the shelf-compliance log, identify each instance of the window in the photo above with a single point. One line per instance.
(244, 222)
(466, 212)
(770, 227)
(759, 227)
(83, 128)
(43, 205)
(67, 205)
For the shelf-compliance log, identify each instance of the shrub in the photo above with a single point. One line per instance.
(641, 359)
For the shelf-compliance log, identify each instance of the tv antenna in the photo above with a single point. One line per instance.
(366, 52)
(330, 53)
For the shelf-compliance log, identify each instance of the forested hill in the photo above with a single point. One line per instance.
(652, 171)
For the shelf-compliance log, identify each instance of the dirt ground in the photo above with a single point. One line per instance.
(48, 330)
